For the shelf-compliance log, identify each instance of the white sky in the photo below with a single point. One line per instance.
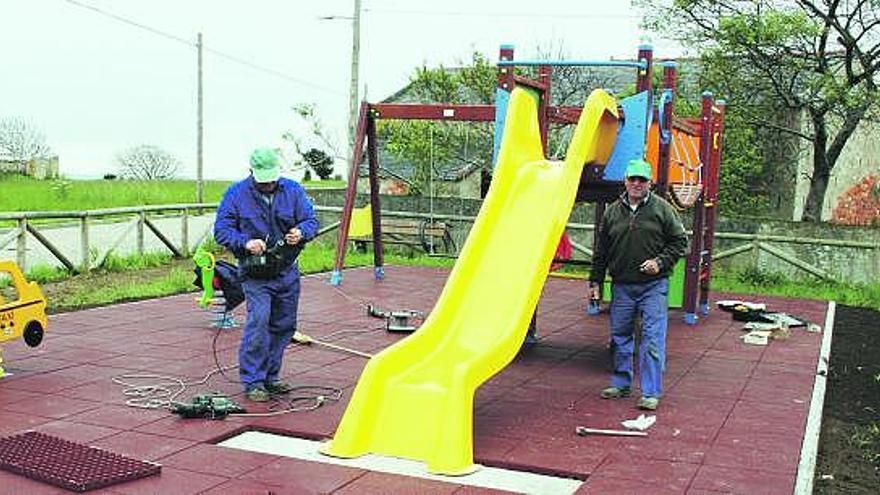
(95, 85)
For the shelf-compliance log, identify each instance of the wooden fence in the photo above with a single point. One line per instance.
(141, 219)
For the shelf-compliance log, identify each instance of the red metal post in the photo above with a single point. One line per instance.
(545, 73)
(713, 180)
(694, 259)
(350, 193)
(470, 113)
(505, 73)
(670, 77)
(644, 81)
(375, 206)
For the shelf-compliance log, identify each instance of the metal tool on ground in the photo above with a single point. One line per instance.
(583, 431)
(213, 406)
(396, 321)
(301, 338)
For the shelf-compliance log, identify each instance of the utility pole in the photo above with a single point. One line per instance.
(354, 102)
(200, 184)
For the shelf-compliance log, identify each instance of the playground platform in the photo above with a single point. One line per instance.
(733, 418)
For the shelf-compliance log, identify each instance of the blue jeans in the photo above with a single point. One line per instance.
(271, 321)
(649, 300)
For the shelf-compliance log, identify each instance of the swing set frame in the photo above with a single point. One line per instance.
(709, 128)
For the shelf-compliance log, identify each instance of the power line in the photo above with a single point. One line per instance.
(529, 15)
(218, 53)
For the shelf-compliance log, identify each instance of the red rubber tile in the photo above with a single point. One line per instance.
(718, 391)
(67, 464)
(476, 490)
(119, 417)
(142, 445)
(47, 383)
(662, 475)
(11, 483)
(52, 406)
(251, 487)
(572, 456)
(75, 432)
(13, 422)
(309, 477)
(664, 449)
(764, 459)
(172, 481)
(606, 485)
(391, 483)
(742, 481)
(197, 430)
(220, 461)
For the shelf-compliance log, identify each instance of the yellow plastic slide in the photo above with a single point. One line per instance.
(414, 400)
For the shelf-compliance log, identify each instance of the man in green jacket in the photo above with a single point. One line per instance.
(639, 239)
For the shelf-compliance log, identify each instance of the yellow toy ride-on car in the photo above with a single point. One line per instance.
(22, 311)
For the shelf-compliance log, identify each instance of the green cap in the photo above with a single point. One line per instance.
(639, 168)
(265, 165)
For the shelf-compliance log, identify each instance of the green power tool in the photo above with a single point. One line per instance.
(213, 406)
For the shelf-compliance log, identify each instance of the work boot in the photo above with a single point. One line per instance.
(278, 388)
(615, 392)
(258, 394)
(648, 403)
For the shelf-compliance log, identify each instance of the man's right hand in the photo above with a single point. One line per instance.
(594, 291)
(255, 246)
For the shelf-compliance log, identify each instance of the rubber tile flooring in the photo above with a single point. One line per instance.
(732, 419)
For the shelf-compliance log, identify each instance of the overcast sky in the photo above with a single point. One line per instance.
(96, 85)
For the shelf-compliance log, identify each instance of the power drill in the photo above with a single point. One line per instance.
(214, 406)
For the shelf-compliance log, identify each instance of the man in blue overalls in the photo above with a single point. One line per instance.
(639, 241)
(264, 220)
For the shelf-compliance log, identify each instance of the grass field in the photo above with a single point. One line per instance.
(25, 194)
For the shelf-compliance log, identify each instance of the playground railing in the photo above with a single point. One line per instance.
(78, 251)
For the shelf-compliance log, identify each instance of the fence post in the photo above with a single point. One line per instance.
(184, 232)
(84, 242)
(21, 244)
(142, 216)
(756, 252)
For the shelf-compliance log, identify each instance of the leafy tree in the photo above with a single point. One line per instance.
(22, 142)
(320, 162)
(786, 57)
(429, 143)
(147, 162)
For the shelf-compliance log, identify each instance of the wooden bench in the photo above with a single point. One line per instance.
(432, 237)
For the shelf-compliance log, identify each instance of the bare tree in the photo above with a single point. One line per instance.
(147, 162)
(21, 142)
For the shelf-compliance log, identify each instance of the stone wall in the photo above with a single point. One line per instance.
(860, 158)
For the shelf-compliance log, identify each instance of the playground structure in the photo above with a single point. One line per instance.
(685, 154)
(415, 399)
(25, 316)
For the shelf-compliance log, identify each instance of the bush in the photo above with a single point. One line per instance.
(762, 278)
(307, 176)
(110, 177)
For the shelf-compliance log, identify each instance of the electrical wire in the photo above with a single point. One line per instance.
(218, 53)
(526, 15)
(162, 391)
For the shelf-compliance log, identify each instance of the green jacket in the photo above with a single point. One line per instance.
(627, 238)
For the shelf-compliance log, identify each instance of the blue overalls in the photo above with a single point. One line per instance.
(649, 301)
(272, 304)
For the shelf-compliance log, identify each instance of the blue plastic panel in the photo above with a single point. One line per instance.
(631, 136)
(502, 96)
